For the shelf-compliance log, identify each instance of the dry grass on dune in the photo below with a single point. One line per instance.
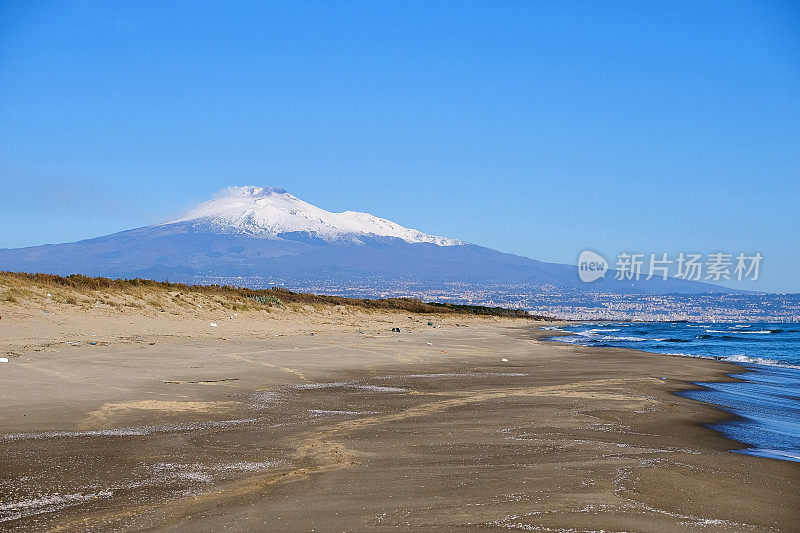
(144, 294)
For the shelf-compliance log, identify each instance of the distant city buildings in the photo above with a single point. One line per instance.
(550, 301)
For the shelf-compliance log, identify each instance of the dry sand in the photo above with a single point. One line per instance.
(126, 418)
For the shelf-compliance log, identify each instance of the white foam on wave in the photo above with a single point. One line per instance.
(594, 336)
(739, 358)
(791, 455)
(738, 331)
(580, 337)
(570, 340)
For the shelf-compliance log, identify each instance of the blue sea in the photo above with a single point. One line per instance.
(767, 401)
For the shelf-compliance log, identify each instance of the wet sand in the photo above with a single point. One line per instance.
(128, 421)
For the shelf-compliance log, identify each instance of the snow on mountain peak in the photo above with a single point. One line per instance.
(249, 191)
(268, 212)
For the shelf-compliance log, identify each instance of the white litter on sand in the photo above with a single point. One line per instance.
(328, 412)
(504, 360)
(128, 431)
(213, 324)
(455, 375)
(354, 385)
(46, 503)
(3, 359)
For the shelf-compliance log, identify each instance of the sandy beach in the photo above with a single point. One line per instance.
(196, 417)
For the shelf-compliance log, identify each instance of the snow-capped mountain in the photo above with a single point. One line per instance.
(259, 236)
(269, 212)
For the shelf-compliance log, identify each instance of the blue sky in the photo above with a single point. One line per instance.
(538, 128)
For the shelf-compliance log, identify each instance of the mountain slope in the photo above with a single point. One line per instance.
(262, 236)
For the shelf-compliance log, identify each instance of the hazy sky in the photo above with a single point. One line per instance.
(538, 128)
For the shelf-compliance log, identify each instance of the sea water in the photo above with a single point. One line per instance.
(766, 400)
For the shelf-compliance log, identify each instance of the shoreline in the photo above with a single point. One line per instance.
(749, 372)
(689, 386)
(727, 416)
(258, 421)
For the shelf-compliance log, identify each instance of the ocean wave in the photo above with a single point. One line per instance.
(765, 344)
(722, 337)
(791, 455)
(736, 330)
(590, 334)
(739, 358)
